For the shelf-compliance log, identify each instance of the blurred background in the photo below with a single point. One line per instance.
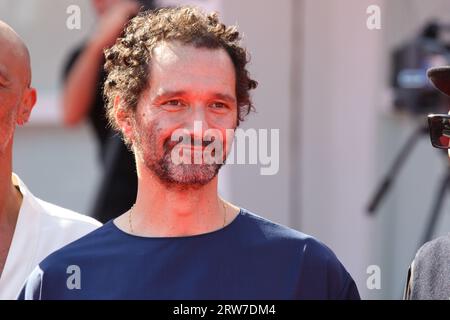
(327, 82)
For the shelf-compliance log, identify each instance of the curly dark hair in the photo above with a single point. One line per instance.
(128, 60)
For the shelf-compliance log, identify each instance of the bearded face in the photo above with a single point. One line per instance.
(181, 159)
(183, 127)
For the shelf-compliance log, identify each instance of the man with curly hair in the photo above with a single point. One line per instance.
(177, 84)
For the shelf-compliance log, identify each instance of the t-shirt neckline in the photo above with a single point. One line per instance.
(206, 234)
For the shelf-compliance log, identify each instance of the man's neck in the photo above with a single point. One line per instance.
(161, 211)
(10, 203)
(10, 197)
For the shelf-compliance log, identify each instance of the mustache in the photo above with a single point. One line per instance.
(169, 144)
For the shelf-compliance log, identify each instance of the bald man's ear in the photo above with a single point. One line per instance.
(29, 98)
(123, 119)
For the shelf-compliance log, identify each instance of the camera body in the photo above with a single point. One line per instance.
(413, 92)
(147, 4)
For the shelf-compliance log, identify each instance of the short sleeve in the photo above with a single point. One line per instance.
(70, 62)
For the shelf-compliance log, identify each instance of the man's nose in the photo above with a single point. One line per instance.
(197, 123)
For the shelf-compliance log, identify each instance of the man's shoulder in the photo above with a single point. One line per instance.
(85, 246)
(433, 256)
(65, 218)
(84, 251)
(282, 236)
(438, 245)
(49, 278)
(430, 270)
(55, 220)
(316, 262)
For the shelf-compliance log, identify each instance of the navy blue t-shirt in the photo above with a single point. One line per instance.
(251, 258)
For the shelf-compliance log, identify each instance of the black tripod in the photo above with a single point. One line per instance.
(386, 183)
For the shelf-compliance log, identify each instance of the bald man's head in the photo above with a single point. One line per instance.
(14, 48)
(17, 98)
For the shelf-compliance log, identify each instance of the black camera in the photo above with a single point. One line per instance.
(147, 4)
(413, 91)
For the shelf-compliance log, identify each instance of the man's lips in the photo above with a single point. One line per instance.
(170, 145)
(192, 147)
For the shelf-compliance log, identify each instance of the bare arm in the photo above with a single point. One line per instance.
(81, 84)
(82, 79)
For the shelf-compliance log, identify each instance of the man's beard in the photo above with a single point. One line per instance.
(182, 176)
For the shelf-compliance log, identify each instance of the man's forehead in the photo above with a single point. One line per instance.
(176, 67)
(13, 66)
(169, 52)
(177, 59)
(14, 56)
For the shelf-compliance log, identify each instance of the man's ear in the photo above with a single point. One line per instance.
(29, 98)
(123, 119)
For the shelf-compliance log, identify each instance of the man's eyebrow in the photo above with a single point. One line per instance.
(169, 94)
(225, 97)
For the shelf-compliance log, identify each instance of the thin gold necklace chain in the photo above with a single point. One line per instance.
(132, 210)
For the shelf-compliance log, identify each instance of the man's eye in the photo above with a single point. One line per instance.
(173, 105)
(218, 106)
(173, 102)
